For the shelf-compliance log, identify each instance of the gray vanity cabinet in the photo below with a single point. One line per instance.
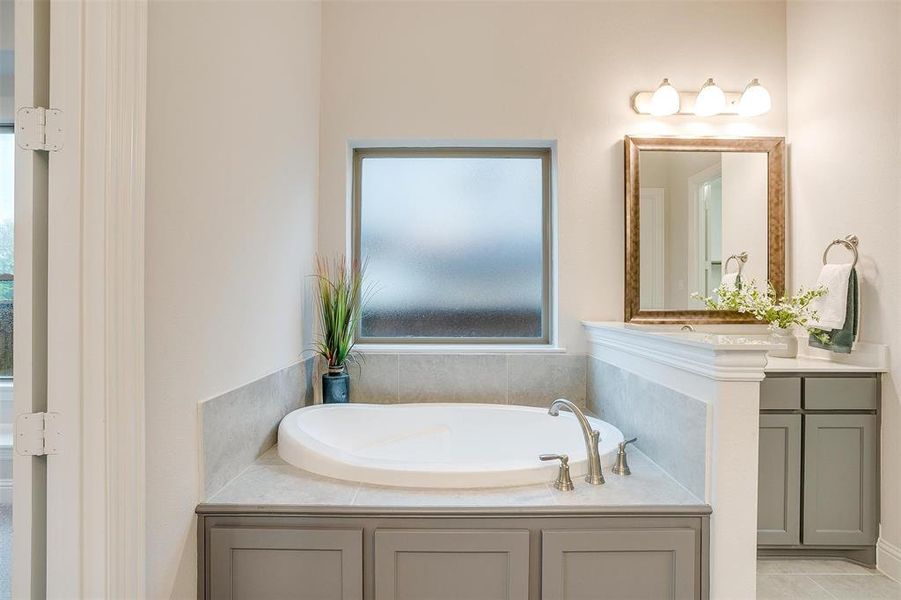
(615, 564)
(779, 496)
(840, 479)
(446, 564)
(256, 563)
(818, 469)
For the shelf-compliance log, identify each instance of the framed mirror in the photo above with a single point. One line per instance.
(699, 210)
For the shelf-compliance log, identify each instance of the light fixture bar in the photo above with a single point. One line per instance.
(641, 103)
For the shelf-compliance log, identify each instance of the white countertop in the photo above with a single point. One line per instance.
(272, 483)
(809, 364)
(865, 358)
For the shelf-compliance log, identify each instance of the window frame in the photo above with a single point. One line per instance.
(544, 153)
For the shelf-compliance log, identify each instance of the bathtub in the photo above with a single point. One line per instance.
(437, 445)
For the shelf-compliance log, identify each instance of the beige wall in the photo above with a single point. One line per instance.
(548, 70)
(233, 103)
(844, 84)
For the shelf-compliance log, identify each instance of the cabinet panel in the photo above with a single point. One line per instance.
(780, 393)
(840, 479)
(840, 393)
(444, 564)
(301, 564)
(779, 480)
(649, 564)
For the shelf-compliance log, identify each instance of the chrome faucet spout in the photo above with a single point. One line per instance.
(592, 437)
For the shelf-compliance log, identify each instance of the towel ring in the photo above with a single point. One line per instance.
(850, 242)
(740, 259)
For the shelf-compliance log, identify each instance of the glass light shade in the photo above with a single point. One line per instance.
(755, 100)
(665, 100)
(710, 101)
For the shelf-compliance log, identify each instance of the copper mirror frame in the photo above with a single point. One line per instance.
(775, 150)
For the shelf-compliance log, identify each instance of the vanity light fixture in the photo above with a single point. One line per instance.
(755, 100)
(711, 100)
(665, 100)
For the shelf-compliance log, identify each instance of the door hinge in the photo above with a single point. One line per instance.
(39, 128)
(37, 434)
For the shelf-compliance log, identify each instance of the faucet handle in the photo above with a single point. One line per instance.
(622, 445)
(564, 482)
(622, 465)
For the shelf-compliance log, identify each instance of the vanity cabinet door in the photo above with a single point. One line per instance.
(274, 564)
(840, 485)
(639, 564)
(446, 564)
(779, 480)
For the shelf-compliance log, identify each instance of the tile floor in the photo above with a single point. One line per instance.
(822, 580)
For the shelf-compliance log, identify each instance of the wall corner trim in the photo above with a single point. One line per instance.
(888, 559)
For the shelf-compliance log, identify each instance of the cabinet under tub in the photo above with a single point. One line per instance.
(324, 554)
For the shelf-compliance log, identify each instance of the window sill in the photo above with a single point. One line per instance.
(458, 349)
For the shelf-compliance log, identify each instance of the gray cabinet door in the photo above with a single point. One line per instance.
(281, 564)
(779, 480)
(840, 479)
(444, 564)
(615, 564)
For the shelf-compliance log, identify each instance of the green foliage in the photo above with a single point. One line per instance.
(340, 299)
(781, 312)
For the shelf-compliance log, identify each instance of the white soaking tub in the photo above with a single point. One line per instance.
(438, 445)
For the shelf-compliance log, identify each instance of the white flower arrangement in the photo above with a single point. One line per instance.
(779, 312)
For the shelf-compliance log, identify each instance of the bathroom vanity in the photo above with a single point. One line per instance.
(277, 531)
(819, 460)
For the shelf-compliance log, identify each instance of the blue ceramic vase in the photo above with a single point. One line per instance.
(335, 388)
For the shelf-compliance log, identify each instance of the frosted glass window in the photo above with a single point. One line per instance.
(456, 244)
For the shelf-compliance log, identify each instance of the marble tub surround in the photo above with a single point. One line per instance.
(671, 427)
(238, 426)
(270, 483)
(522, 378)
(723, 371)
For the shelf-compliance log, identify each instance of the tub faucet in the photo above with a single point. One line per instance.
(592, 437)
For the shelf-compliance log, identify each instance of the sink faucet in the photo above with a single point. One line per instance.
(592, 437)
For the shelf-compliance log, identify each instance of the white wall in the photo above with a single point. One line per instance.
(233, 102)
(545, 70)
(844, 127)
(745, 223)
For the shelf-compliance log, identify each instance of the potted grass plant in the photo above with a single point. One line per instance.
(340, 297)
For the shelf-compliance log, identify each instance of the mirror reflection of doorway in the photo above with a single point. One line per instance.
(711, 209)
(652, 265)
(706, 192)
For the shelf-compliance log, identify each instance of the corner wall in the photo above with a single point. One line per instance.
(844, 135)
(232, 175)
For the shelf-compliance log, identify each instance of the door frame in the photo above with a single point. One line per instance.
(95, 301)
(32, 45)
